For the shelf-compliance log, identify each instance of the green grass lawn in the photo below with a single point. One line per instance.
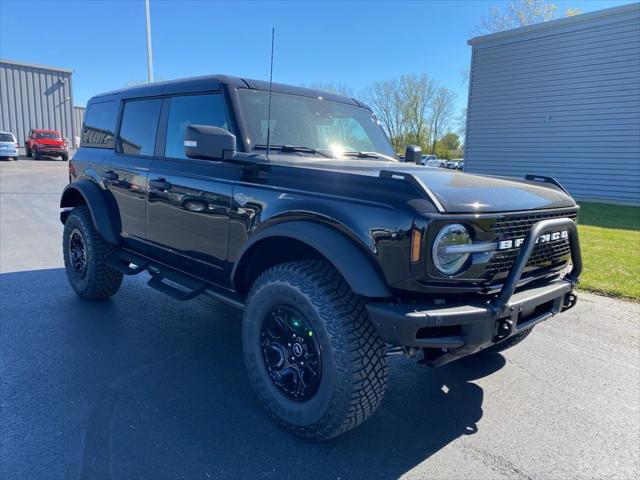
(610, 242)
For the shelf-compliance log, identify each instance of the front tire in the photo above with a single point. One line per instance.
(28, 152)
(35, 155)
(64, 157)
(85, 258)
(327, 325)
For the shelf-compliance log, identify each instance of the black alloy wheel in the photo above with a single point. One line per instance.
(78, 253)
(87, 256)
(291, 353)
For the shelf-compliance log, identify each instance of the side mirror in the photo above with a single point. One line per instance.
(210, 143)
(413, 154)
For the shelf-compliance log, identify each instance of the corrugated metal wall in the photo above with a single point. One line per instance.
(35, 97)
(78, 118)
(561, 99)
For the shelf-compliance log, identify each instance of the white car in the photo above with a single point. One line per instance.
(435, 162)
(8, 146)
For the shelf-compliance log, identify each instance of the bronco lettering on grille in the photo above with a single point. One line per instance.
(546, 237)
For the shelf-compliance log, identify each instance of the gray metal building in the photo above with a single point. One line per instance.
(78, 118)
(35, 96)
(560, 99)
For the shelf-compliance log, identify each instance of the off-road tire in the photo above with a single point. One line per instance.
(508, 343)
(354, 363)
(64, 158)
(28, 152)
(35, 154)
(100, 281)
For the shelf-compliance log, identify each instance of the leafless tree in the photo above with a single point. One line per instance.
(386, 100)
(418, 92)
(440, 114)
(520, 13)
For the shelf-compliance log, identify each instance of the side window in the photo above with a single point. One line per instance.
(139, 126)
(195, 109)
(99, 125)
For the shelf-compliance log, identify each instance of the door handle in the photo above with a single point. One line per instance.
(160, 184)
(110, 175)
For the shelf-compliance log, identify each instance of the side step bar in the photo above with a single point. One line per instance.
(123, 261)
(176, 285)
(171, 282)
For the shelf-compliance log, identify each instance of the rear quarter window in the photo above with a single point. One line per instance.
(99, 124)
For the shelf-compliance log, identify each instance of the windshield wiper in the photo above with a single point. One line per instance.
(294, 148)
(368, 155)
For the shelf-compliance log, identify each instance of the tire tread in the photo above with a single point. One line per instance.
(352, 336)
(104, 281)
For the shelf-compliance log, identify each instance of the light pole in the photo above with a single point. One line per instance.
(149, 51)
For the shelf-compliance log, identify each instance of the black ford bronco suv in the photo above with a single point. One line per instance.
(289, 204)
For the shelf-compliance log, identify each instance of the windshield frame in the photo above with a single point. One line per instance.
(248, 144)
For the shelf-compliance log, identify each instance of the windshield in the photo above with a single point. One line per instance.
(6, 137)
(312, 122)
(55, 136)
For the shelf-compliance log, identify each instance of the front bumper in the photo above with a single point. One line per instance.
(459, 330)
(53, 151)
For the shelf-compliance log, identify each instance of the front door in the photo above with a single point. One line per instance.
(189, 200)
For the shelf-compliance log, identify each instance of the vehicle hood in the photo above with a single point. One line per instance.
(456, 191)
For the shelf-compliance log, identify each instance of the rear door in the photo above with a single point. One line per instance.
(125, 170)
(189, 200)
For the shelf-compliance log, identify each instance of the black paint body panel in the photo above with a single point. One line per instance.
(204, 222)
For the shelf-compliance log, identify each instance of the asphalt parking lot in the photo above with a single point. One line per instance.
(143, 386)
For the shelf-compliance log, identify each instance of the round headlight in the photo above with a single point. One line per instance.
(445, 257)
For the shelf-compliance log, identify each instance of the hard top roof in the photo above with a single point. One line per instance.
(214, 82)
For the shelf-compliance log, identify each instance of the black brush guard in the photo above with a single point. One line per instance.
(478, 325)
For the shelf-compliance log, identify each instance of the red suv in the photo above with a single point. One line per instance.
(46, 142)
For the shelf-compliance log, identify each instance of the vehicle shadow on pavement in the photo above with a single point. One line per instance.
(145, 386)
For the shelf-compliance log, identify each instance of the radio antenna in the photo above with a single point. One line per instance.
(273, 36)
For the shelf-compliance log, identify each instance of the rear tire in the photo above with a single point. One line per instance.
(85, 258)
(352, 374)
(508, 343)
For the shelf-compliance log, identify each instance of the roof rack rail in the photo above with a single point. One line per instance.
(543, 179)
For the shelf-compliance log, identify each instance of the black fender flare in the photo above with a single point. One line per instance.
(96, 202)
(352, 263)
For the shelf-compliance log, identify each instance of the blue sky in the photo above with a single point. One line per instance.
(350, 43)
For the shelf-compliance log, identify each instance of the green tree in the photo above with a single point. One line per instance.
(451, 141)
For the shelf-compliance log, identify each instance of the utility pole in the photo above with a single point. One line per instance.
(149, 51)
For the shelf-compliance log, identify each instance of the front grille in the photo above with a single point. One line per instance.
(544, 255)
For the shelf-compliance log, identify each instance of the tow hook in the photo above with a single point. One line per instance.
(570, 300)
(504, 327)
